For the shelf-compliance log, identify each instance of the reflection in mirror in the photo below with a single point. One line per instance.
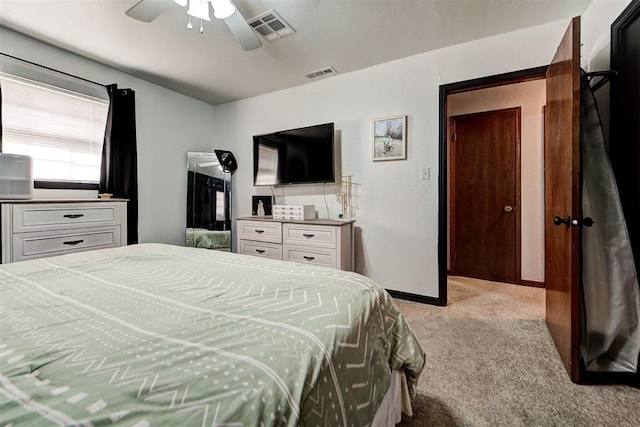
(208, 202)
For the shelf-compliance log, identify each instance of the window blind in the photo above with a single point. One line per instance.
(61, 130)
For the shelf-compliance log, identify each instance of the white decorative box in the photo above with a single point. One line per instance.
(294, 212)
(16, 176)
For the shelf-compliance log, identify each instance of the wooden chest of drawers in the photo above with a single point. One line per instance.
(34, 229)
(321, 242)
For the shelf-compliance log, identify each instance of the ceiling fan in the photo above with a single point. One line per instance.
(148, 10)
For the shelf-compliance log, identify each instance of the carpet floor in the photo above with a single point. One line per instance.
(490, 361)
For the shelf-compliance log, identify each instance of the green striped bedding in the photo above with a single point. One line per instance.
(155, 334)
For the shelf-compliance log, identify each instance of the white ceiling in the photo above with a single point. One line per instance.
(345, 34)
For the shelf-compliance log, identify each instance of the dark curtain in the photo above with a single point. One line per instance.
(119, 170)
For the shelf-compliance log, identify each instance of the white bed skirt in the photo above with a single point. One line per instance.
(395, 402)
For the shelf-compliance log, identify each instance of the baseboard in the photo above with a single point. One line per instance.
(417, 298)
(532, 283)
(521, 282)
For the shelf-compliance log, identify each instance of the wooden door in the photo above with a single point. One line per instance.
(562, 199)
(485, 184)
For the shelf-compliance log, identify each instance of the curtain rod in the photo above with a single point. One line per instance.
(51, 69)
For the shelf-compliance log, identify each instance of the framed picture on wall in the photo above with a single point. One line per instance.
(390, 138)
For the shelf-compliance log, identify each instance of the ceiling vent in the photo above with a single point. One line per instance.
(321, 72)
(271, 26)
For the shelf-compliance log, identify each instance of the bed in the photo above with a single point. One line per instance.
(155, 334)
(208, 239)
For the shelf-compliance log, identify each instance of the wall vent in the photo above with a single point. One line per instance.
(271, 26)
(321, 72)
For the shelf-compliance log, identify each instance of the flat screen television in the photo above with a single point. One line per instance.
(295, 156)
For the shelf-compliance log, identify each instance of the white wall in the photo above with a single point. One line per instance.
(596, 32)
(397, 212)
(531, 97)
(168, 125)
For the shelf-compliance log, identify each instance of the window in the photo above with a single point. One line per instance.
(61, 129)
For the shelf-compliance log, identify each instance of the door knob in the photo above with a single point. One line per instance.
(508, 208)
(559, 221)
(587, 222)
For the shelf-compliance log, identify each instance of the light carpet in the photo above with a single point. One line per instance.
(490, 361)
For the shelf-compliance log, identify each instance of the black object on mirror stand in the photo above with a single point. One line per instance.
(227, 160)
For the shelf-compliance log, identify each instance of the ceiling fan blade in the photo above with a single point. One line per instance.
(148, 10)
(242, 31)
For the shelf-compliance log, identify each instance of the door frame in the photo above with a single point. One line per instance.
(622, 107)
(516, 202)
(443, 160)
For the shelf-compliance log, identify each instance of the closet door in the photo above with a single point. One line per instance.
(562, 199)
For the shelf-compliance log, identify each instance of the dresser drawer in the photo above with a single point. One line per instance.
(261, 231)
(309, 235)
(34, 217)
(317, 256)
(322, 242)
(249, 247)
(50, 243)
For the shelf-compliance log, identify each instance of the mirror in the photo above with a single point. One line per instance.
(208, 202)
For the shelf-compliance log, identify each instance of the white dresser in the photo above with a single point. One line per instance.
(323, 242)
(41, 228)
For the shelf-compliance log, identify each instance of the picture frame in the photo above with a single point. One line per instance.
(390, 138)
(267, 204)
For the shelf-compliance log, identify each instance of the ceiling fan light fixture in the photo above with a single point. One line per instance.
(199, 9)
(147, 10)
(222, 9)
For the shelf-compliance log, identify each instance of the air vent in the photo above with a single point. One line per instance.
(271, 26)
(321, 72)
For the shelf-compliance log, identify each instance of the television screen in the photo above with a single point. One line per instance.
(295, 156)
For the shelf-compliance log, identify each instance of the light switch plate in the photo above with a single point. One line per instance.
(425, 174)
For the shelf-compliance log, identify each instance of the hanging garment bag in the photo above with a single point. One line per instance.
(611, 296)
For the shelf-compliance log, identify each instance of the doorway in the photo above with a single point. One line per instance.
(485, 195)
(447, 105)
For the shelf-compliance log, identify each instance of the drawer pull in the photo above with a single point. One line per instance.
(259, 231)
(308, 258)
(73, 242)
(260, 251)
(309, 235)
(73, 216)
